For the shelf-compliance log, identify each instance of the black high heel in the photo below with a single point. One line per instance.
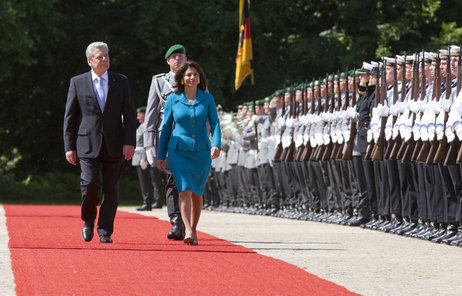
(188, 240)
(194, 242)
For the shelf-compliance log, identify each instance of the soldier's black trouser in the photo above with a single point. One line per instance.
(329, 191)
(319, 186)
(269, 191)
(426, 188)
(278, 181)
(171, 196)
(370, 182)
(397, 184)
(334, 171)
(349, 184)
(253, 192)
(298, 191)
(360, 198)
(455, 193)
(381, 185)
(234, 188)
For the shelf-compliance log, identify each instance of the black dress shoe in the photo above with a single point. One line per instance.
(105, 239)
(144, 207)
(156, 205)
(87, 231)
(177, 232)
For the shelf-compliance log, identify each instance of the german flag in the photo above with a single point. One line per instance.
(244, 50)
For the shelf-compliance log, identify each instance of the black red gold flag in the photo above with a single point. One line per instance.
(244, 50)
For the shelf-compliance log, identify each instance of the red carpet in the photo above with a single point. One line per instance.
(49, 257)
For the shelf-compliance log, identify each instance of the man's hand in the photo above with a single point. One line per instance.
(215, 152)
(71, 157)
(128, 151)
(160, 165)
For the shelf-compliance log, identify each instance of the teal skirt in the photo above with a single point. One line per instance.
(190, 169)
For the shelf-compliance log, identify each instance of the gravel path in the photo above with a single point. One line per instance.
(364, 261)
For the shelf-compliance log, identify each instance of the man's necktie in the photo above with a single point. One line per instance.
(100, 92)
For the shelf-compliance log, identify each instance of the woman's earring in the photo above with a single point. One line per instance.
(182, 82)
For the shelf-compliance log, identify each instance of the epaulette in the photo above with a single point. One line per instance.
(159, 75)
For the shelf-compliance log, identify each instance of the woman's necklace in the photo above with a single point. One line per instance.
(190, 97)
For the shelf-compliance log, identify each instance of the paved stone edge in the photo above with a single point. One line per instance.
(7, 285)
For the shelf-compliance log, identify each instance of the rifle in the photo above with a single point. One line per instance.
(277, 155)
(436, 96)
(288, 153)
(348, 151)
(395, 151)
(301, 148)
(328, 149)
(315, 153)
(452, 154)
(423, 93)
(370, 147)
(337, 146)
(442, 150)
(392, 141)
(410, 144)
(377, 153)
(308, 149)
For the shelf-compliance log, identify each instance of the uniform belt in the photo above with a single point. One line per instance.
(361, 124)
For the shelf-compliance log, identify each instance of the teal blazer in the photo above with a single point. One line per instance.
(190, 131)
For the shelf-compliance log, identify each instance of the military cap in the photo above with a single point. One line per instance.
(239, 106)
(365, 69)
(177, 48)
(300, 86)
(267, 99)
(443, 54)
(330, 77)
(259, 102)
(389, 61)
(343, 75)
(427, 57)
(410, 59)
(376, 66)
(141, 109)
(454, 50)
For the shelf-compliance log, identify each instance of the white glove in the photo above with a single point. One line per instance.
(313, 142)
(388, 133)
(340, 140)
(450, 134)
(351, 112)
(431, 133)
(424, 133)
(446, 105)
(326, 139)
(394, 110)
(369, 136)
(422, 105)
(458, 130)
(407, 134)
(413, 106)
(319, 139)
(346, 135)
(434, 106)
(289, 122)
(395, 132)
(416, 133)
(439, 132)
(151, 154)
(376, 135)
(401, 106)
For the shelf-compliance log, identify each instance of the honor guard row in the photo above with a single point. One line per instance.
(376, 147)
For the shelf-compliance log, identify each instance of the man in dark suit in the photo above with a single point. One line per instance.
(99, 129)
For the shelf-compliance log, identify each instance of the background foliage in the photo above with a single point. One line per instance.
(42, 44)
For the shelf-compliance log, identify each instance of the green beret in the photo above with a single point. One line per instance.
(177, 48)
(259, 102)
(141, 109)
(343, 75)
(267, 99)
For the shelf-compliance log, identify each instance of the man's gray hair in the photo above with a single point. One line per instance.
(91, 48)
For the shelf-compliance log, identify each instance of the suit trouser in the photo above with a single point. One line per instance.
(305, 185)
(360, 198)
(287, 183)
(318, 187)
(443, 202)
(111, 168)
(297, 183)
(398, 184)
(435, 196)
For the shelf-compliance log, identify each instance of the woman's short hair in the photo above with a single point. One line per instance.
(182, 70)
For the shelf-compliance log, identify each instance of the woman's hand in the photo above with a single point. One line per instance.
(215, 152)
(160, 164)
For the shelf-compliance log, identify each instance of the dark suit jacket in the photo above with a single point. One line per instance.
(85, 126)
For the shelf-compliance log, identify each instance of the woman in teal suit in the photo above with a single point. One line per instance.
(189, 150)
